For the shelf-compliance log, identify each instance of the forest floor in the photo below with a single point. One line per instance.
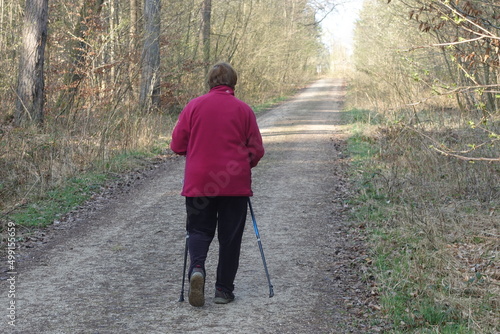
(115, 264)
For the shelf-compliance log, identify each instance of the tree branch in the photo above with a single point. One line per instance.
(459, 155)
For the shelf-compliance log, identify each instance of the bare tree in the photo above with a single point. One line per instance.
(150, 82)
(134, 29)
(205, 32)
(79, 50)
(468, 33)
(134, 14)
(31, 85)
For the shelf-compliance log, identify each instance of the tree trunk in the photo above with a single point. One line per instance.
(150, 82)
(134, 10)
(31, 85)
(205, 32)
(133, 45)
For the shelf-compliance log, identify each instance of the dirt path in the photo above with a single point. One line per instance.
(117, 268)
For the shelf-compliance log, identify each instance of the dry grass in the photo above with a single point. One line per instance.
(34, 160)
(439, 241)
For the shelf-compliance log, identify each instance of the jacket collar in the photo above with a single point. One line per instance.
(222, 89)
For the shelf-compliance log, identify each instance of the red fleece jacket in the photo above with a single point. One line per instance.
(219, 135)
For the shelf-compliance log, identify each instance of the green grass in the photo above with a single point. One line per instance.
(363, 116)
(58, 201)
(129, 160)
(371, 202)
(406, 300)
(268, 104)
(45, 208)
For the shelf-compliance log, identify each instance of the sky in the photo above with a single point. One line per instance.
(338, 26)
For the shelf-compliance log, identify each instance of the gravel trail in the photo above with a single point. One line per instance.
(116, 267)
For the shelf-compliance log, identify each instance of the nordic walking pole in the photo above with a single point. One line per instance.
(181, 298)
(271, 291)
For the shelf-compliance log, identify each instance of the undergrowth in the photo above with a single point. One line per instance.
(55, 202)
(433, 223)
(45, 172)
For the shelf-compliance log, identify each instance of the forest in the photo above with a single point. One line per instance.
(426, 88)
(84, 84)
(92, 88)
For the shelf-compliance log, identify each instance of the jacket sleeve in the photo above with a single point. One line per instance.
(254, 142)
(181, 133)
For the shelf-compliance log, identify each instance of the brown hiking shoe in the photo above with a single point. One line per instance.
(197, 288)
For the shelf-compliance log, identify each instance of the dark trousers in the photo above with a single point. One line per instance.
(227, 215)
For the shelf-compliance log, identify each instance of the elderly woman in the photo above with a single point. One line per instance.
(219, 135)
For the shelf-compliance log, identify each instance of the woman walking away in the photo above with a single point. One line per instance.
(219, 136)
